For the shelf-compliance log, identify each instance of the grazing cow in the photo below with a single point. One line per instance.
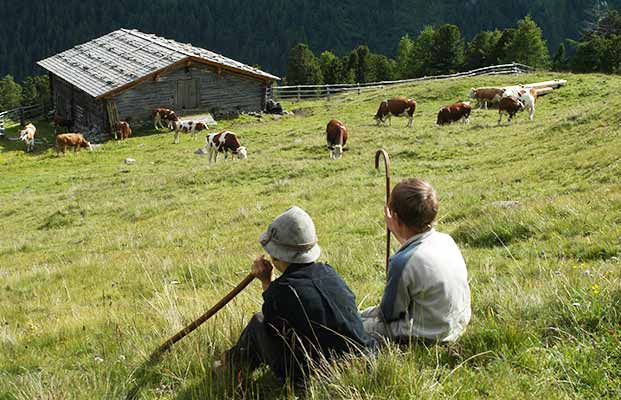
(225, 142)
(123, 130)
(75, 140)
(60, 122)
(190, 127)
(509, 105)
(336, 138)
(165, 115)
(27, 135)
(528, 96)
(397, 106)
(486, 95)
(454, 112)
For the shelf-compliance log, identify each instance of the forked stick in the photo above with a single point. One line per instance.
(383, 153)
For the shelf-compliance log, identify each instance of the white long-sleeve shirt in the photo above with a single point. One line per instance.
(427, 293)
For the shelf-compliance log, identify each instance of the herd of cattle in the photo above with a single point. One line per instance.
(510, 102)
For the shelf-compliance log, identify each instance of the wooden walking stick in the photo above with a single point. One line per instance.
(199, 321)
(384, 153)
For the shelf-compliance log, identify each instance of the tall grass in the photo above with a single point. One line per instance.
(101, 261)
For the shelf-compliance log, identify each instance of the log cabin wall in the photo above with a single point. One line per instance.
(86, 112)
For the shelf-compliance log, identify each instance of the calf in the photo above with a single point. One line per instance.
(454, 112)
(190, 127)
(336, 138)
(509, 105)
(123, 129)
(486, 95)
(27, 135)
(163, 115)
(397, 106)
(225, 142)
(75, 140)
(61, 122)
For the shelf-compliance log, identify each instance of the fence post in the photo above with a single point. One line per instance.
(358, 86)
(299, 94)
(22, 117)
(328, 91)
(1, 125)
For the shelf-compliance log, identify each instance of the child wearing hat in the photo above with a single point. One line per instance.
(309, 314)
(427, 295)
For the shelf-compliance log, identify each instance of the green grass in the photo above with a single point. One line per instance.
(101, 261)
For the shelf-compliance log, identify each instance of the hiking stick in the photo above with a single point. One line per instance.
(198, 322)
(383, 153)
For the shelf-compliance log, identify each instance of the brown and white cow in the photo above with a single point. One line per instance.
(225, 142)
(190, 127)
(27, 135)
(75, 140)
(162, 117)
(336, 136)
(509, 105)
(123, 129)
(454, 112)
(397, 106)
(486, 95)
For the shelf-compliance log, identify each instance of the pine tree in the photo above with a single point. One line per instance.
(303, 67)
(421, 54)
(447, 51)
(362, 68)
(481, 49)
(381, 68)
(331, 68)
(559, 63)
(405, 69)
(528, 46)
(10, 93)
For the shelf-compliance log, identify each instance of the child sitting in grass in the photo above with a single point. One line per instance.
(427, 295)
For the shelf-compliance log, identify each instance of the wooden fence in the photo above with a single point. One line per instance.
(301, 92)
(21, 114)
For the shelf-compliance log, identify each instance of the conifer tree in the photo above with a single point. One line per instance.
(303, 67)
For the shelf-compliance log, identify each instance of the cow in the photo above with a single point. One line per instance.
(75, 140)
(528, 97)
(190, 127)
(27, 135)
(123, 129)
(486, 95)
(509, 105)
(397, 106)
(454, 112)
(163, 115)
(336, 136)
(61, 122)
(224, 142)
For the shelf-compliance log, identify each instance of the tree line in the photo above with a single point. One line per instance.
(33, 90)
(443, 50)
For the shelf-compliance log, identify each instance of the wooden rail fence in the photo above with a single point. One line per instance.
(301, 92)
(21, 114)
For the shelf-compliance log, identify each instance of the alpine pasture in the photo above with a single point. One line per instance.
(101, 261)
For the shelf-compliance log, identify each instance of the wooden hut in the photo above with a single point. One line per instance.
(126, 74)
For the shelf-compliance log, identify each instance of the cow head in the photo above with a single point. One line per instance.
(473, 93)
(241, 153)
(336, 152)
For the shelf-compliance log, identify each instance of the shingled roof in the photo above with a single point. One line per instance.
(122, 58)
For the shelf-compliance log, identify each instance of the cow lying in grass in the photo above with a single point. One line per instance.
(75, 140)
(397, 106)
(162, 117)
(27, 135)
(225, 142)
(190, 127)
(336, 136)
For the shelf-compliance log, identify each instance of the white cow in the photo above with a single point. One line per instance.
(27, 135)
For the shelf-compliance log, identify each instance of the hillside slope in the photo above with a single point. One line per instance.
(101, 261)
(262, 32)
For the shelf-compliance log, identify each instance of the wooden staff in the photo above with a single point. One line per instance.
(210, 313)
(383, 153)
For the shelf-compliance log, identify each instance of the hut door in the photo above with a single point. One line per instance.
(187, 93)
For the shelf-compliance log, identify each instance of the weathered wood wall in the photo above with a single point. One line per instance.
(223, 93)
(71, 103)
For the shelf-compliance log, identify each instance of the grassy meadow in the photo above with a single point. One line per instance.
(101, 261)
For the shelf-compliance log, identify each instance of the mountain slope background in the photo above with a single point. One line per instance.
(262, 32)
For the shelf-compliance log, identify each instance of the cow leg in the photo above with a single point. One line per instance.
(389, 120)
(176, 137)
(485, 104)
(499, 117)
(532, 112)
(410, 120)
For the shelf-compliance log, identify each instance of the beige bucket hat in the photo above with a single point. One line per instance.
(291, 237)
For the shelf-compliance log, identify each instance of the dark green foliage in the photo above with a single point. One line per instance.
(381, 68)
(36, 90)
(404, 68)
(331, 67)
(447, 51)
(500, 53)
(481, 50)
(303, 67)
(600, 47)
(528, 46)
(362, 66)
(559, 63)
(421, 54)
(10, 93)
